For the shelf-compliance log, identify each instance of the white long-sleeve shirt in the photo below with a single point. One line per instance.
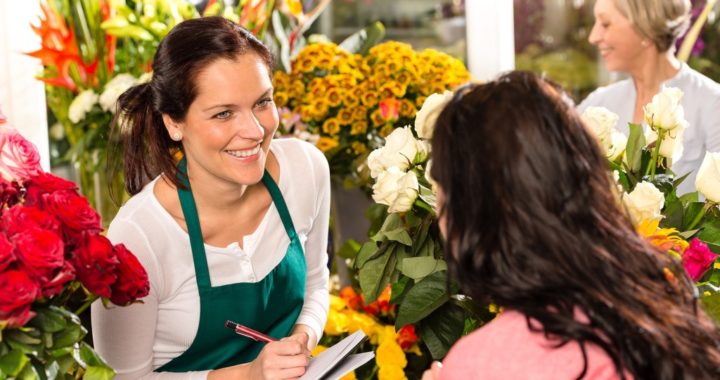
(701, 101)
(139, 338)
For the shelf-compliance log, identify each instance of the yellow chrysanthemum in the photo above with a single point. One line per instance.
(337, 303)
(407, 108)
(358, 127)
(320, 109)
(281, 98)
(334, 97)
(377, 119)
(359, 113)
(349, 376)
(358, 148)
(306, 113)
(667, 239)
(389, 353)
(386, 131)
(391, 373)
(345, 116)
(420, 100)
(350, 99)
(318, 350)
(370, 98)
(337, 323)
(281, 80)
(331, 126)
(360, 321)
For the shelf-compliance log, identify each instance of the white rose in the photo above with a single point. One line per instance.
(672, 143)
(396, 189)
(113, 89)
(708, 177)
(601, 123)
(81, 105)
(146, 77)
(644, 203)
(427, 115)
(401, 150)
(618, 142)
(665, 110)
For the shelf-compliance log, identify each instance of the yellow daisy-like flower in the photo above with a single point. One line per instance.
(359, 113)
(350, 99)
(420, 100)
(358, 148)
(334, 97)
(320, 109)
(404, 78)
(306, 113)
(386, 131)
(666, 239)
(297, 88)
(331, 126)
(281, 98)
(361, 321)
(370, 98)
(377, 119)
(407, 108)
(326, 143)
(345, 116)
(391, 373)
(281, 80)
(358, 127)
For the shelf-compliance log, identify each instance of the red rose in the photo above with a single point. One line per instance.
(73, 211)
(45, 183)
(56, 284)
(8, 192)
(132, 281)
(17, 292)
(20, 218)
(19, 159)
(406, 337)
(697, 259)
(95, 262)
(40, 253)
(7, 256)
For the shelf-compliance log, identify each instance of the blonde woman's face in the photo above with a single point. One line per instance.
(620, 45)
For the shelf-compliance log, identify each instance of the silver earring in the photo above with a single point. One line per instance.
(177, 136)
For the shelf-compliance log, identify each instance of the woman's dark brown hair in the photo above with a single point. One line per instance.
(188, 48)
(533, 225)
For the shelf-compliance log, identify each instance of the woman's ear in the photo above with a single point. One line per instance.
(173, 128)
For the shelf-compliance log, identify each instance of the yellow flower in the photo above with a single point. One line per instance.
(359, 113)
(358, 127)
(337, 322)
(318, 350)
(370, 98)
(334, 97)
(281, 98)
(350, 99)
(420, 100)
(358, 147)
(281, 80)
(404, 78)
(407, 108)
(345, 116)
(331, 126)
(389, 353)
(360, 321)
(667, 239)
(377, 119)
(319, 109)
(337, 303)
(295, 7)
(349, 376)
(326, 143)
(391, 373)
(386, 130)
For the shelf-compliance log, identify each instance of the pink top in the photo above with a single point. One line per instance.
(507, 349)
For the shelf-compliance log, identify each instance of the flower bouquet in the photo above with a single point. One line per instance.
(682, 225)
(347, 103)
(53, 264)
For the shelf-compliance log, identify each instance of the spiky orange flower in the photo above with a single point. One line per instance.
(667, 239)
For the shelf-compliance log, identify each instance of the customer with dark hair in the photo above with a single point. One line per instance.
(229, 223)
(533, 224)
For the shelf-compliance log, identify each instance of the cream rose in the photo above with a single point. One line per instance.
(396, 189)
(618, 142)
(601, 123)
(672, 143)
(81, 105)
(113, 89)
(708, 177)
(644, 202)
(427, 115)
(401, 150)
(665, 110)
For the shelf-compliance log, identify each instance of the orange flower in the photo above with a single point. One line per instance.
(390, 109)
(406, 337)
(353, 300)
(382, 304)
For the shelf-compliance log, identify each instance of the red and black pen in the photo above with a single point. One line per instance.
(248, 332)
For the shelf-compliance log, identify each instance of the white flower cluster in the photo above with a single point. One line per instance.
(396, 184)
(84, 101)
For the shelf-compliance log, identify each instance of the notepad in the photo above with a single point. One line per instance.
(336, 361)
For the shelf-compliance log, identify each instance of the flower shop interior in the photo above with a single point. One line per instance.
(364, 82)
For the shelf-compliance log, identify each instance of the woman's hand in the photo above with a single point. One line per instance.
(284, 359)
(433, 373)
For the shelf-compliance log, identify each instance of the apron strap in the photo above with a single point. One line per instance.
(280, 204)
(187, 202)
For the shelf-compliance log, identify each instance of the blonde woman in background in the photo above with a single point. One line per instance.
(637, 37)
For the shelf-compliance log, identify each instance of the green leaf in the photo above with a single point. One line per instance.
(419, 267)
(48, 320)
(682, 179)
(633, 149)
(349, 249)
(90, 357)
(692, 211)
(71, 335)
(99, 373)
(399, 235)
(441, 329)
(28, 373)
(373, 274)
(711, 303)
(13, 362)
(51, 369)
(361, 41)
(689, 197)
(421, 237)
(424, 297)
(279, 23)
(673, 212)
(398, 290)
(368, 251)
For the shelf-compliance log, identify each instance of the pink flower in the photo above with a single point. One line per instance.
(697, 259)
(19, 159)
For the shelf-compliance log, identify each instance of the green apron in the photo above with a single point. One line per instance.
(270, 306)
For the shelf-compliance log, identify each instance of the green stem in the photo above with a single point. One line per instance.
(655, 154)
(700, 215)
(85, 305)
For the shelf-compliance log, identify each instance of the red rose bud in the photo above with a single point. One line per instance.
(95, 263)
(7, 255)
(56, 284)
(406, 337)
(73, 211)
(132, 280)
(19, 218)
(45, 183)
(697, 259)
(40, 253)
(17, 292)
(389, 109)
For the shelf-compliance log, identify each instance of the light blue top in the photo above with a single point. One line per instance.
(702, 111)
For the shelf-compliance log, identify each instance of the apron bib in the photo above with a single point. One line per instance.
(270, 306)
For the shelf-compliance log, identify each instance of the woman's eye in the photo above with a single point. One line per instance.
(264, 102)
(223, 115)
